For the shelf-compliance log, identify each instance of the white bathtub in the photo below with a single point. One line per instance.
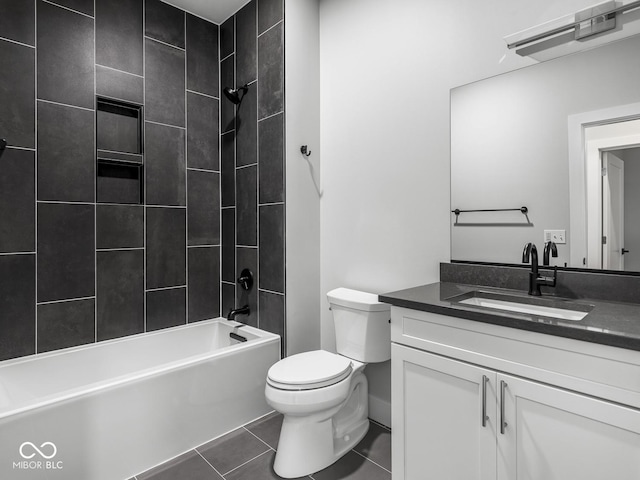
(113, 409)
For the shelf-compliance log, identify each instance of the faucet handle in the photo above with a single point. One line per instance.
(246, 279)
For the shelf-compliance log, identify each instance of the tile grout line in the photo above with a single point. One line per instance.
(271, 291)
(202, 170)
(235, 164)
(271, 27)
(248, 461)
(220, 258)
(144, 170)
(270, 116)
(283, 159)
(166, 124)
(214, 468)
(70, 9)
(165, 288)
(186, 174)
(118, 70)
(367, 458)
(64, 104)
(257, 152)
(147, 37)
(35, 165)
(95, 182)
(380, 425)
(255, 164)
(17, 43)
(249, 431)
(15, 147)
(202, 94)
(92, 297)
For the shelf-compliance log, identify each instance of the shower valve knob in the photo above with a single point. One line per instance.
(245, 280)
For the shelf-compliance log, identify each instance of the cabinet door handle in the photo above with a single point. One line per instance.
(503, 423)
(485, 380)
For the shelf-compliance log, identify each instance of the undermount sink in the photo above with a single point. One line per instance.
(561, 309)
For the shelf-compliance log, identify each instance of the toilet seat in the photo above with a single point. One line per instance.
(309, 370)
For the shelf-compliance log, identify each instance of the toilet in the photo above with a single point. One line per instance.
(324, 396)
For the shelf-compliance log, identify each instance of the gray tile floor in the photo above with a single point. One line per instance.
(248, 453)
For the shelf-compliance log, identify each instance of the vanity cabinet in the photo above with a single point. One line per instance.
(468, 404)
(439, 411)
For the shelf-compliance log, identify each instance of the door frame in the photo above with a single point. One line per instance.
(593, 156)
(580, 210)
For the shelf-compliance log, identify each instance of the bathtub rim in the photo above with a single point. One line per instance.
(262, 337)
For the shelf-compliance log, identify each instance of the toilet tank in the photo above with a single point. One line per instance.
(363, 330)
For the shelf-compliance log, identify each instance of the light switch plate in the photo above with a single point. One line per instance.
(555, 236)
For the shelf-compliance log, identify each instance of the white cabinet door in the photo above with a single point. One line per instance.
(554, 434)
(437, 418)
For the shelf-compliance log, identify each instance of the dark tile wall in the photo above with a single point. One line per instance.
(74, 271)
(252, 163)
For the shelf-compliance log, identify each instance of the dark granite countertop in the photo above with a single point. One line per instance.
(608, 323)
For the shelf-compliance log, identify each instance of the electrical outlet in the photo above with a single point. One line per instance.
(555, 236)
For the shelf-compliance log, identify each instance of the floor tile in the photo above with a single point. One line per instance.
(352, 467)
(189, 466)
(260, 468)
(267, 428)
(232, 450)
(376, 445)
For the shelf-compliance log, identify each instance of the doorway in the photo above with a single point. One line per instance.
(613, 174)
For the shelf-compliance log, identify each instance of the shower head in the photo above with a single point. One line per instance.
(3, 145)
(233, 94)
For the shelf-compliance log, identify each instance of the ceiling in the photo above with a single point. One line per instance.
(216, 11)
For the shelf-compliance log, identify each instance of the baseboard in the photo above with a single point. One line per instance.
(380, 410)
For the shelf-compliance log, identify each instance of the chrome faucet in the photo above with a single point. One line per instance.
(238, 311)
(535, 279)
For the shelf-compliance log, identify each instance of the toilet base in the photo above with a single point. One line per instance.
(311, 443)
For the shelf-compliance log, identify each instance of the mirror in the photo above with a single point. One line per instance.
(536, 138)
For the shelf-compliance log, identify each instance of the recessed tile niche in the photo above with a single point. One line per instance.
(119, 152)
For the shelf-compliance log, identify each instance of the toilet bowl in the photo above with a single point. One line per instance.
(324, 396)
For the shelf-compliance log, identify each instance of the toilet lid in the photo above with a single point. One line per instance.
(309, 370)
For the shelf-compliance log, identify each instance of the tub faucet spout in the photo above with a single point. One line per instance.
(238, 311)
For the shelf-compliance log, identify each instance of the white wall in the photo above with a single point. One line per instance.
(386, 68)
(302, 84)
